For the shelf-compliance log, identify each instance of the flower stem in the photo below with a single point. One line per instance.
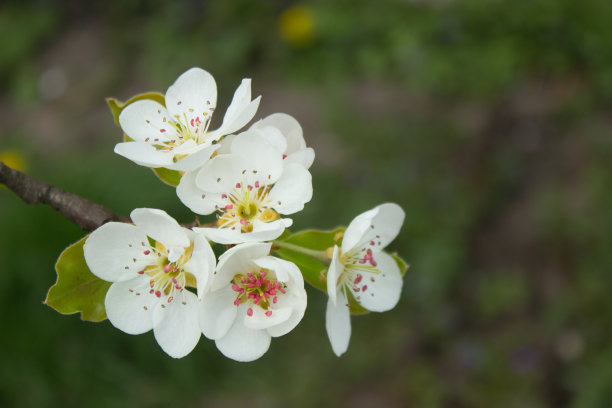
(320, 256)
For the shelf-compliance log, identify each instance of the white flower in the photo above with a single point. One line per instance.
(283, 132)
(176, 136)
(253, 297)
(360, 269)
(250, 187)
(149, 281)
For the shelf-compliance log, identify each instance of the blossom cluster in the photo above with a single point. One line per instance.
(166, 278)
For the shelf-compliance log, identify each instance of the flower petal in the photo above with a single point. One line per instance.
(218, 312)
(114, 252)
(333, 273)
(193, 197)
(273, 136)
(263, 162)
(238, 259)
(144, 154)
(198, 157)
(129, 306)
(288, 126)
(202, 263)
(259, 320)
(379, 225)
(382, 290)
(193, 95)
(262, 231)
(220, 174)
(240, 111)
(304, 157)
(144, 120)
(296, 300)
(338, 324)
(177, 330)
(243, 344)
(158, 225)
(292, 190)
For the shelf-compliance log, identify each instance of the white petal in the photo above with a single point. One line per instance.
(178, 330)
(220, 174)
(292, 190)
(195, 198)
(198, 157)
(193, 94)
(379, 226)
(333, 273)
(296, 299)
(259, 320)
(273, 136)
(258, 155)
(243, 344)
(262, 231)
(144, 154)
(285, 271)
(158, 225)
(144, 119)
(289, 127)
(238, 259)
(383, 290)
(129, 306)
(202, 263)
(218, 312)
(338, 324)
(303, 157)
(114, 252)
(240, 111)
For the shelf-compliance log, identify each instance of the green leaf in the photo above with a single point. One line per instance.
(314, 240)
(170, 177)
(76, 288)
(116, 106)
(403, 265)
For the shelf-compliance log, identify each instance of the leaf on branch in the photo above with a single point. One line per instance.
(170, 177)
(76, 288)
(312, 269)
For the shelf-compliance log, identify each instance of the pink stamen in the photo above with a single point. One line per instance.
(223, 196)
(237, 301)
(147, 252)
(141, 272)
(170, 299)
(364, 288)
(192, 124)
(269, 313)
(284, 156)
(167, 268)
(237, 185)
(250, 187)
(158, 293)
(174, 281)
(358, 278)
(249, 312)
(257, 184)
(229, 206)
(162, 130)
(244, 222)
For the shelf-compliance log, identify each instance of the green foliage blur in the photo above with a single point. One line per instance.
(487, 121)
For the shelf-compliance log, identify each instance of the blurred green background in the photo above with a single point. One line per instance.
(487, 121)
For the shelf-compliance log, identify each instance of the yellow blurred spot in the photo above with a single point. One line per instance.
(296, 25)
(13, 159)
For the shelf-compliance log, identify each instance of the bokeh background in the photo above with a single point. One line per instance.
(487, 121)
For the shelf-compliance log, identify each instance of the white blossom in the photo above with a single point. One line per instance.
(176, 136)
(150, 280)
(360, 269)
(252, 298)
(250, 187)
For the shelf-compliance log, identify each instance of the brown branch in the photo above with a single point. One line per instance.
(84, 213)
